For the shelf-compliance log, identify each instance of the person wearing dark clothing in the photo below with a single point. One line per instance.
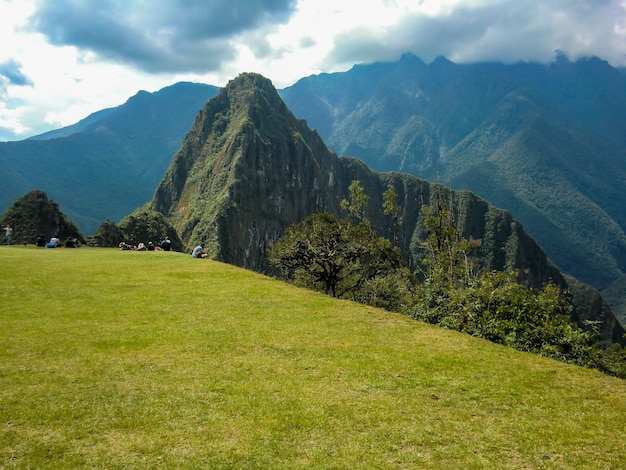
(166, 244)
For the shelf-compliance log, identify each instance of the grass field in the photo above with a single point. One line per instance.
(112, 359)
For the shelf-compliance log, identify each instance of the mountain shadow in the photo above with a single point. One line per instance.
(248, 169)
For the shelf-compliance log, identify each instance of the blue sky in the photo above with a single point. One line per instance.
(61, 60)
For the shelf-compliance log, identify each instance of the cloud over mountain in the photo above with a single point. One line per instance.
(81, 56)
(505, 30)
(166, 36)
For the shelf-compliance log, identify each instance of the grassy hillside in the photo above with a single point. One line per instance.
(113, 359)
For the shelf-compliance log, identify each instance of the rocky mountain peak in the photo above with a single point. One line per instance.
(246, 170)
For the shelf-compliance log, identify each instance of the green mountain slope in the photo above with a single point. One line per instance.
(108, 164)
(248, 169)
(546, 143)
(155, 360)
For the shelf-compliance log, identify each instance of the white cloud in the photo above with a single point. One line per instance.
(65, 59)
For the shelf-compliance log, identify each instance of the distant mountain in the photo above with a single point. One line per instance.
(108, 164)
(248, 169)
(545, 142)
(81, 126)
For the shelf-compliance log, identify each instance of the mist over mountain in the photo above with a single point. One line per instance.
(545, 142)
(248, 169)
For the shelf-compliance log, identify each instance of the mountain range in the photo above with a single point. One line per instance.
(248, 169)
(545, 142)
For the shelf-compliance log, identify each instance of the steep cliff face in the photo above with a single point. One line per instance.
(248, 169)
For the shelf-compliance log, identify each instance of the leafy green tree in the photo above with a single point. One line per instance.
(344, 257)
(392, 209)
(145, 225)
(357, 204)
(109, 234)
(448, 256)
(321, 252)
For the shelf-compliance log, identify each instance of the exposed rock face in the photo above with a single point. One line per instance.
(248, 169)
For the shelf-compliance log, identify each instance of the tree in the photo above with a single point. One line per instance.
(321, 252)
(447, 255)
(344, 257)
(109, 234)
(496, 307)
(145, 225)
(393, 210)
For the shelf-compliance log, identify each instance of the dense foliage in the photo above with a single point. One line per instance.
(34, 215)
(345, 258)
(143, 225)
(496, 306)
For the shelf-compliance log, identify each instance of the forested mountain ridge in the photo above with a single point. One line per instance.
(107, 164)
(248, 169)
(545, 142)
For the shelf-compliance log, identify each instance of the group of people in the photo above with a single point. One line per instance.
(165, 245)
(55, 242)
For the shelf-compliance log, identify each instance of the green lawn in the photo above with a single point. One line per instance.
(116, 359)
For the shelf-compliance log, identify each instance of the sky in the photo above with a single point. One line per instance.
(61, 60)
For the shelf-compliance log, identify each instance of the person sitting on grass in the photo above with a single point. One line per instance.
(198, 252)
(166, 244)
(54, 242)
